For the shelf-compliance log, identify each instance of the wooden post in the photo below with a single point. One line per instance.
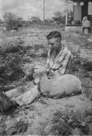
(66, 12)
(43, 10)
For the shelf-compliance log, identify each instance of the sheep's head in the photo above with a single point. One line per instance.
(38, 77)
(28, 69)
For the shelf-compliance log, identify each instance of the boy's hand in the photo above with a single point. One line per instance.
(39, 69)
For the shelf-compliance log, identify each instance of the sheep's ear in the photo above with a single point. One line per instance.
(37, 80)
(36, 75)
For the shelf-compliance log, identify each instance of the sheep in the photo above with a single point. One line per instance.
(62, 86)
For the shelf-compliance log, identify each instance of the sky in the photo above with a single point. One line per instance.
(29, 8)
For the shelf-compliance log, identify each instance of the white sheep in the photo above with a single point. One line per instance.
(62, 86)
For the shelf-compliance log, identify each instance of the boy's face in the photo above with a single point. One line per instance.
(54, 43)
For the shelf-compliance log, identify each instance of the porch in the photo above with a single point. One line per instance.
(80, 9)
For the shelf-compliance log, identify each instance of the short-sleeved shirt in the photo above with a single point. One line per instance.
(58, 65)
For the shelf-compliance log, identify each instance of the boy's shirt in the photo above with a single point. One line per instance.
(58, 65)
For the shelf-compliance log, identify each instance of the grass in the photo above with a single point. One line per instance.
(23, 47)
(65, 122)
(13, 56)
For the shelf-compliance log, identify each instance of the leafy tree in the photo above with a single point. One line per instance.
(35, 19)
(59, 17)
(1, 21)
(20, 21)
(12, 21)
(48, 21)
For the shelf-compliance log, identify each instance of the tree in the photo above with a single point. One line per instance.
(1, 21)
(20, 21)
(35, 19)
(59, 17)
(12, 21)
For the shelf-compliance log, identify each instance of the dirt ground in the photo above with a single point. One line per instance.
(45, 116)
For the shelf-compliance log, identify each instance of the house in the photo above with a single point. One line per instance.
(81, 8)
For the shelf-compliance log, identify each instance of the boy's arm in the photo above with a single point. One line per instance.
(43, 68)
(47, 66)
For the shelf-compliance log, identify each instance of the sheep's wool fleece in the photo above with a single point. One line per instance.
(61, 86)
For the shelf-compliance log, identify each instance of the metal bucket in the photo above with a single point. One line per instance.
(86, 31)
(86, 24)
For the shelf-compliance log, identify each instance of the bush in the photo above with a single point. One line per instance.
(11, 60)
(13, 57)
(65, 122)
(12, 21)
(58, 18)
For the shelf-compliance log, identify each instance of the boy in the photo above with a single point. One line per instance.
(59, 57)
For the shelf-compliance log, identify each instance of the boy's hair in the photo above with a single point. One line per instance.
(54, 34)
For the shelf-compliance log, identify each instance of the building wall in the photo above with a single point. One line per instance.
(77, 12)
(85, 10)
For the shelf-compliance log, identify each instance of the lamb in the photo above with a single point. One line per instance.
(62, 86)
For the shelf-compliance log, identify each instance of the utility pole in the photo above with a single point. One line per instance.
(43, 10)
(66, 12)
